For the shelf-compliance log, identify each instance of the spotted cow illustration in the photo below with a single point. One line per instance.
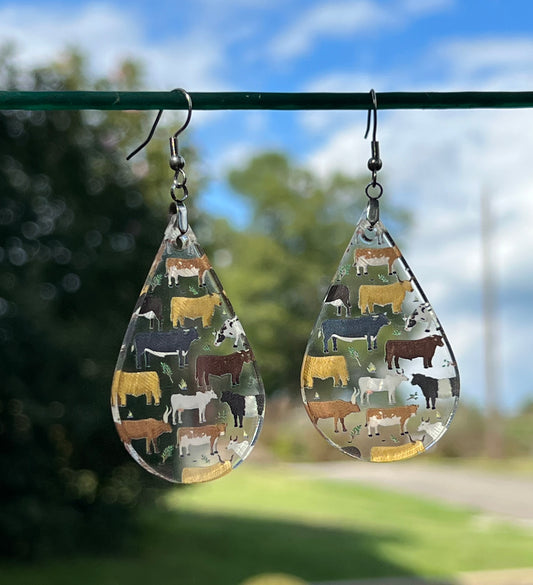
(422, 314)
(397, 415)
(193, 436)
(231, 329)
(176, 267)
(365, 257)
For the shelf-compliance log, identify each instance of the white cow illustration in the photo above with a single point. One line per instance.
(181, 402)
(389, 383)
(434, 430)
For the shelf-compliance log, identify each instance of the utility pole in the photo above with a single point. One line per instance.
(493, 439)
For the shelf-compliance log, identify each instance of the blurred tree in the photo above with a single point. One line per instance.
(277, 271)
(77, 240)
(79, 228)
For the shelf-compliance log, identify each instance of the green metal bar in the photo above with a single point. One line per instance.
(155, 100)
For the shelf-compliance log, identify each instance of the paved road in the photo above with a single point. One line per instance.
(505, 496)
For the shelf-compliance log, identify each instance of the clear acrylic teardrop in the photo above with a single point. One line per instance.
(187, 398)
(379, 380)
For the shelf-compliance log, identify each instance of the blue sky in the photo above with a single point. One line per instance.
(437, 163)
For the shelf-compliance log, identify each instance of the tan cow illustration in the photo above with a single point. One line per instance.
(383, 294)
(182, 308)
(324, 367)
(135, 384)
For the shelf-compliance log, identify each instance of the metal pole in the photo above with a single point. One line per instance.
(493, 425)
(168, 100)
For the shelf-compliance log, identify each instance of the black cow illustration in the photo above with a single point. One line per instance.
(367, 326)
(164, 343)
(241, 406)
(434, 388)
(150, 307)
(338, 295)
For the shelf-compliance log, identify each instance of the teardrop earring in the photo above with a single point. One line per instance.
(186, 379)
(379, 383)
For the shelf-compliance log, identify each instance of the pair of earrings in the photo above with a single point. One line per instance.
(379, 382)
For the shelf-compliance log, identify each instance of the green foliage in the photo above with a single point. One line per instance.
(284, 261)
(165, 368)
(77, 239)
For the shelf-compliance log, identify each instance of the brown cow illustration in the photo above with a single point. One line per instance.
(412, 348)
(335, 409)
(149, 429)
(219, 365)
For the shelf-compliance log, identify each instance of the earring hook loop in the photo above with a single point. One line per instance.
(373, 109)
(374, 162)
(158, 117)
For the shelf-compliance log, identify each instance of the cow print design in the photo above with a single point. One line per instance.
(187, 398)
(376, 338)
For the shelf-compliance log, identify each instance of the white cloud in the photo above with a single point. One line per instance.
(499, 64)
(440, 164)
(345, 18)
(334, 19)
(107, 35)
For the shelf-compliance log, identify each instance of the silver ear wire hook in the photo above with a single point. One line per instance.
(177, 164)
(173, 138)
(374, 164)
(374, 109)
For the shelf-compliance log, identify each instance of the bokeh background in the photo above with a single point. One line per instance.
(274, 200)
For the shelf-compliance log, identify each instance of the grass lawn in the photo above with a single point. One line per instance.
(259, 520)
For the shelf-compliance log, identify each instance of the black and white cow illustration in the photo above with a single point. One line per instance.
(338, 295)
(434, 388)
(150, 307)
(422, 314)
(162, 344)
(231, 329)
(367, 326)
(243, 406)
